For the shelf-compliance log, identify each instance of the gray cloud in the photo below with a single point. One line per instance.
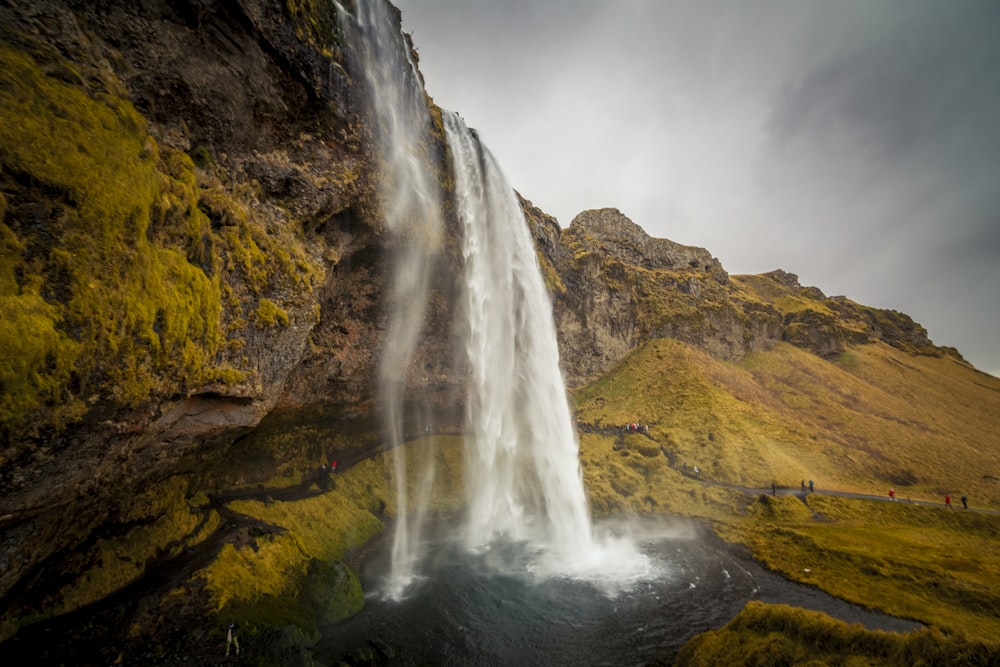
(855, 143)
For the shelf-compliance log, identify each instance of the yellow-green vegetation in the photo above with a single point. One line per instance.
(805, 309)
(553, 281)
(314, 24)
(876, 418)
(937, 566)
(665, 300)
(112, 276)
(270, 315)
(159, 522)
(90, 291)
(296, 574)
(771, 635)
(637, 478)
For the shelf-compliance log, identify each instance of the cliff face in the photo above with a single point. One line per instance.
(193, 276)
(616, 287)
(189, 242)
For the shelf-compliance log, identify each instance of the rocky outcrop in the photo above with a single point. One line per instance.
(189, 245)
(623, 287)
(615, 287)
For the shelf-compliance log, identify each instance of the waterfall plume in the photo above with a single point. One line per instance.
(523, 481)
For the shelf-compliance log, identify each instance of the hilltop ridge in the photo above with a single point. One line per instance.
(617, 287)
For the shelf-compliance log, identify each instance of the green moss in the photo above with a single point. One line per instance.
(296, 576)
(269, 315)
(297, 573)
(553, 281)
(764, 634)
(39, 358)
(122, 315)
(158, 522)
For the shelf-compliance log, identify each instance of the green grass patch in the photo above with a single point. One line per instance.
(773, 635)
(931, 564)
(299, 575)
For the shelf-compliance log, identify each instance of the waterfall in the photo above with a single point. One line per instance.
(523, 480)
(413, 216)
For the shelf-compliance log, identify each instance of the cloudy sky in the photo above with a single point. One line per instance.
(855, 143)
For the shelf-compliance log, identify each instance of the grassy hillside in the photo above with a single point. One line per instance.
(779, 635)
(877, 417)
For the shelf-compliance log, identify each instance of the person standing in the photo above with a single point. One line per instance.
(810, 486)
(947, 500)
(231, 640)
(892, 494)
(965, 502)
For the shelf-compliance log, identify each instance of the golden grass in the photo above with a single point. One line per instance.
(878, 418)
(935, 565)
(763, 634)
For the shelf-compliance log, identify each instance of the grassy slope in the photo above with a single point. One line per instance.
(875, 418)
(298, 574)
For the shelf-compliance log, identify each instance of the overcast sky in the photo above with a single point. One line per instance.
(855, 143)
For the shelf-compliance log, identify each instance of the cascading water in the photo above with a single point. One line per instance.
(412, 208)
(522, 468)
(523, 478)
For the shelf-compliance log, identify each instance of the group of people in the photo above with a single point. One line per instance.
(964, 499)
(636, 427)
(947, 499)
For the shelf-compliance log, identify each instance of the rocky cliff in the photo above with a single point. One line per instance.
(193, 281)
(615, 287)
(190, 245)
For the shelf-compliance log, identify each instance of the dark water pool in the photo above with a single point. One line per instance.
(489, 609)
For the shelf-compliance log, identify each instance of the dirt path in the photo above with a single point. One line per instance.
(803, 495)
(619, 432)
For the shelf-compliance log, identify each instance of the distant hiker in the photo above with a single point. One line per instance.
(333, 466)
(231, 639)
(774, 489)
(947, 501)
(803, 486)
(810, 486)
(892, 494)
(323, 467)
(965, 502)
(697, 471)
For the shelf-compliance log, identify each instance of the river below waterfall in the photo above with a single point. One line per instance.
(490, 608)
